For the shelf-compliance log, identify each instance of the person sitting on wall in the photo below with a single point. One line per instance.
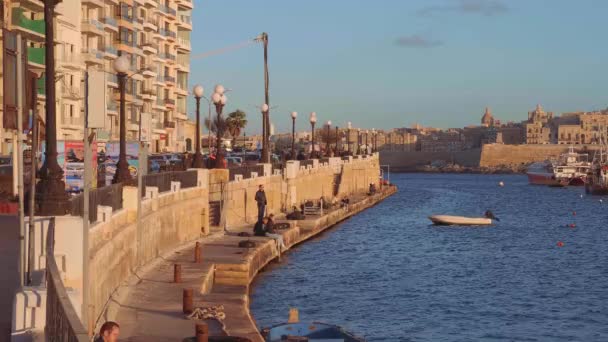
(259, 229)
(296, 214)
(271, 233)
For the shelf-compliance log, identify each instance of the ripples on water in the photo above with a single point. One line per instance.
(387, 275)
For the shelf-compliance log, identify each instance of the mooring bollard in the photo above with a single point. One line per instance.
(197, 253)
(177, 273)
(187, 301)
(202, 332)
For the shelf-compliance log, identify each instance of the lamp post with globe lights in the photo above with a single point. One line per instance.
(374, 140)
(219, 100)
(313, 121)
(122, 175)
(337, 136)
(198, 92)
(366, 145)
(328, 124)
(265, 109)
(294, 115)
(358, 150)
(51, 198)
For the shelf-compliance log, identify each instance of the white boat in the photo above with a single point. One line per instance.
(447, 220)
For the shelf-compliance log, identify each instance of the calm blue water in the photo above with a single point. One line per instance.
(387, 275)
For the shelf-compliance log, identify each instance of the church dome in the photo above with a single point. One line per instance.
(487, 119)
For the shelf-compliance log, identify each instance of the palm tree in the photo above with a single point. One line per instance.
(235, 123)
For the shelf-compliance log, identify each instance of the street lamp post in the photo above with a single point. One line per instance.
(198, 92)
(348, 128)
(366, 145)
(50, 192)
(294, 115)
(219, 99)
(328, 124)
(313, 120)
(374, 140)
(122, 175)
(358, 141)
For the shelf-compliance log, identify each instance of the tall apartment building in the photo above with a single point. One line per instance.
(90, 35)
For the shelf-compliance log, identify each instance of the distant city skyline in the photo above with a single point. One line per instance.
(391, 64)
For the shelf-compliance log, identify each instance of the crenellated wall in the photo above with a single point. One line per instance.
(168, 220)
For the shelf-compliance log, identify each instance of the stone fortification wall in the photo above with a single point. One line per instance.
(294, 186)
(493, 155)
(403, 161)
(168, 220)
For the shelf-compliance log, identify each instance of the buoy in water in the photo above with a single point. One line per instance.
(601, 200)
(501, 184)
(560, 244)
(572, 225)
(581, 195)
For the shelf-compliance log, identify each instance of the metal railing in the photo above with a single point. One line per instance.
(110, 196)
(110, 21)
(246, 171)
(188, 179)
(62, 322)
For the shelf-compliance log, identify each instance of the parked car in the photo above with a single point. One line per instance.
(234, 161)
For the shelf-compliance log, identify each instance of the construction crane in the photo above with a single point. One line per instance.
(261, 38)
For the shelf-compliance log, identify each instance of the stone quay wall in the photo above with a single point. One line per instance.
(168, 220)
(335, 178)
(493, 155)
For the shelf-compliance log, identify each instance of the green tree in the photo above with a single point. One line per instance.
(235, 123)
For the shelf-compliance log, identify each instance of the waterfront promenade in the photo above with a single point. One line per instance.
(150, 307)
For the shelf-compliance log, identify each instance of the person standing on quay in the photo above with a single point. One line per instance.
(260, 198)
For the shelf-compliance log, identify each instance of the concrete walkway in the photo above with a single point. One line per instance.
(152, 310)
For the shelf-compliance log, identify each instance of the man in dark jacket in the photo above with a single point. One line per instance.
(260, 198)
(260, 227)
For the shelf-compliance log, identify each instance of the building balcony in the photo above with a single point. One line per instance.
(151, 4)
(184, 44)
(150, 48)
(181, 116)
(112, 80)
(168, 56)
(32, 29)
(41, 86)
(159, 104)
(111, 23)
(93, 3)
(150, 25)
(185, 3)
(169, 103)
(169, 124)
(70, 92)
(35, 57)
(169, 79)
(167, 10)
(185, 22)
(148, 95)
(133, 126)
(72, 122)
(148, 72)
(111, 51)
(92, 56)
(93, 26)
(112, 108)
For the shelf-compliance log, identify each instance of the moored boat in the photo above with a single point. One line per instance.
(570, 169)
(309, 332)
(597, 179)
(449, 220)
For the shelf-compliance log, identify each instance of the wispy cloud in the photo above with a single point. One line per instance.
(417, 41)
(483, 7)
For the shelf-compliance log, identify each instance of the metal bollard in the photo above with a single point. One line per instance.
(202, 332)
(177, 273)
(197, 253)
(187, 306)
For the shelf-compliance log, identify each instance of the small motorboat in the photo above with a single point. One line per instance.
(295, 331)
(448, 220)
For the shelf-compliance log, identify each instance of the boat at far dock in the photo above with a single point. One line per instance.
(570, 168)
(597, 179)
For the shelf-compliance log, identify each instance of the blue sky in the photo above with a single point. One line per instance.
(392, 63)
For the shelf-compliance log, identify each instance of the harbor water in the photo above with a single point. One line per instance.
(388, 275)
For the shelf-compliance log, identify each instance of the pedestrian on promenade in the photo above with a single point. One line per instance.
(260, 198)
(109, 332)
